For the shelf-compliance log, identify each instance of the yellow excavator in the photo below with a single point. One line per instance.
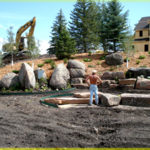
(19, 38)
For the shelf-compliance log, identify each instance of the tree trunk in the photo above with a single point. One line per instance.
(114, 46)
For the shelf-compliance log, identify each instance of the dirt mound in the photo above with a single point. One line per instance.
(26, 123)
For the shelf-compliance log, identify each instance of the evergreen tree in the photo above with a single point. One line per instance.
(61, 44)
(103, 28)
(117, 24)
(84, 25)
(113, 26)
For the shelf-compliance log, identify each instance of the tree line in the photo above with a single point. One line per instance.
(93, 25)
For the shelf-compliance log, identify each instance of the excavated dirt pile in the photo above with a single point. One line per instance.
(26, 123)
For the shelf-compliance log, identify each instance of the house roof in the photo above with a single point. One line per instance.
(143, 23)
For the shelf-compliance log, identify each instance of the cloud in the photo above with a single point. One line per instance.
(1, 26)
(44, 45)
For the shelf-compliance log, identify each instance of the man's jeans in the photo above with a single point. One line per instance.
(93, 89)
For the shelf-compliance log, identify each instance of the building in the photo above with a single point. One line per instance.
(142, 35)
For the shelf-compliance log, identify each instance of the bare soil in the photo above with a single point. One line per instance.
(24, 122)
(96, 63)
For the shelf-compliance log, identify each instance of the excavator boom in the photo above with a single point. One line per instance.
(23, 28)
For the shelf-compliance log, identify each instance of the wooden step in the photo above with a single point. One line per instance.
(67, 100)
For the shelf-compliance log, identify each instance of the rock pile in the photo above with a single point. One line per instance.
(77, 71)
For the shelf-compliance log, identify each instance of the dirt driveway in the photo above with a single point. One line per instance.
(26, 123)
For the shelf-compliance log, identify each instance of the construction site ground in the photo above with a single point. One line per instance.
(24, 122)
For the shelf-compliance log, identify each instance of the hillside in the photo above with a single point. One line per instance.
(96, 63)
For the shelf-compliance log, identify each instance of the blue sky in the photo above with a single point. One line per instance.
(17, 14)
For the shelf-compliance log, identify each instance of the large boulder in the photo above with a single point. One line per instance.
(60, 77)
(9, 80)
(40, 73)
(142, 83)
(110, 100)
(77, 71)
(135, 72)
(77, 81)
(114, 59)
(27, 77)
(113, 75)
(142, 100)
(75, 64)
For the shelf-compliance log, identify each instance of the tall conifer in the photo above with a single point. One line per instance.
(61, 44)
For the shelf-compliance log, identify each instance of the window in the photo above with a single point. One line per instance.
(141, 33)
(132, 46)
(146, 48)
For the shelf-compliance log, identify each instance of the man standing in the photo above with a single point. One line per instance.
(93, 80)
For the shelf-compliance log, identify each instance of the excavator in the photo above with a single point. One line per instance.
(20, 39)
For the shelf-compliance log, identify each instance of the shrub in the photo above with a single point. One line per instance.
(149, 52)
(142, 57)
(98, 63)
(65, 60)
(125, 60)
(89, 53)
(47, 61)
(28, 90)
(15, 71)
(111, 68)
(40, 65)
(144, 66)
(102, 57)
(53, 65)
(29, 64)
(87, 59)
(137, 62)
(91, 66)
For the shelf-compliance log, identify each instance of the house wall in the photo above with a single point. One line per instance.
(140, 45)
(145, 34)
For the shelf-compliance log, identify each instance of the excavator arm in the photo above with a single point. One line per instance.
(23, 28)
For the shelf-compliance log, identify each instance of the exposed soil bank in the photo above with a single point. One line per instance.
(26, 123)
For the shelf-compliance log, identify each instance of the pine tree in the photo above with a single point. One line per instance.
(84, 25)
(117, 24)
(103, 28)
(61, 44)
